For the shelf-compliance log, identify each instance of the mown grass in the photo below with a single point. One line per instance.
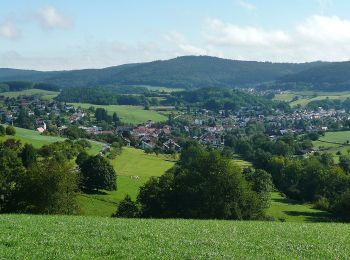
(44, 94)
(128, 114)
(63, 237)
(134, 168)
(287, 210)
(32, 137)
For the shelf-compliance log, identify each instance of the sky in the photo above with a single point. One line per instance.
(78, 34)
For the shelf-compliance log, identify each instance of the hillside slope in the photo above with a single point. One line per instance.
(327, 77)
(63, 237)
(185, 72)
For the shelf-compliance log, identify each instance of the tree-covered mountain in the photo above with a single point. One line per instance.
(328, 77)
(182, 72)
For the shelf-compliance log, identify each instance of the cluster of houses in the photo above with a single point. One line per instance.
(149, 136)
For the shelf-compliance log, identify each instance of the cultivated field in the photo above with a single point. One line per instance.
(44, 94)
(128, 114)
(65, 237)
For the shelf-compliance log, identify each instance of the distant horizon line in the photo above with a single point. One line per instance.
(168, 59)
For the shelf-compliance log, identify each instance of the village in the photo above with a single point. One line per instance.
(206, 127)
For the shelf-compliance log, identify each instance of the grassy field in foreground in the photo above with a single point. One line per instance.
(38, 140)
(134, 168)
(305, 97)
(129, 114)
(44, 94)
(64, 237)
(288, 210)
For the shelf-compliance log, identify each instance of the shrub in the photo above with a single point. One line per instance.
(127, 208)
(10, 130)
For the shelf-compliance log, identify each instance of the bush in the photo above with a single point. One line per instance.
(322, 203)
(2, 130)
(127, 208)
(10, 130)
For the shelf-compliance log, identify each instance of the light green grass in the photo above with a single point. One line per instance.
(334, 142)
(32, 137)
(37, 140)
(132, 162)
(44, 94)
(305, 97)
(129, 114)
(64, 237)
(288, 210)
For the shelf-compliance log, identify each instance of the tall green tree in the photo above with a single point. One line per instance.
(97, 173)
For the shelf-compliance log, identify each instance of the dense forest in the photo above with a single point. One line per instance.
(183, 72)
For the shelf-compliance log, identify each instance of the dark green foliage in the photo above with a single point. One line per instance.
(328, 77)
(102, 115)
(100, 96)
(205, 186)
(81, 158)
(185, 72)
(97, 173)
(10, 130)
(11, 170)
(2, 130)
(4, 87)
(342, 206)
(223, 99)
(28, 155)
(74, 132)
(48, 187)
(127, 208)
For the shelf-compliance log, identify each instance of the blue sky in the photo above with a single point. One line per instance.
(73, 34)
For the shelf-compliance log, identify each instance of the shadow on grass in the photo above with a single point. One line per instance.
(95, 192)
(286, 201)
(311, 216)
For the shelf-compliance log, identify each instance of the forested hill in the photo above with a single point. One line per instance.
(327, 77)
(182, 72)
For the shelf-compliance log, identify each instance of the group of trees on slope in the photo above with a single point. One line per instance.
(46, 180)
(202, 185)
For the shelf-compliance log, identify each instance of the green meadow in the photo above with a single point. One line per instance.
(134, 168)
(287, 210)
(128, 114)
(334, 142)
(77, 237)
(38, 140)
(44, 94)
(305, 97)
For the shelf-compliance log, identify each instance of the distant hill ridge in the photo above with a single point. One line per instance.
(190, 72)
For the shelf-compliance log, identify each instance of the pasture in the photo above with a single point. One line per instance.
(128, 114)
(302, 98)
(334, 142)
(44, 94)
(37, 140)
(134, 168)
(76, 237)
(287, 210)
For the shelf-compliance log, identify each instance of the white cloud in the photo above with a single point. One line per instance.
(9, 31)
(51, 18)
(246, 5)
(316, 38)
(226, 34)
(182, 46)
